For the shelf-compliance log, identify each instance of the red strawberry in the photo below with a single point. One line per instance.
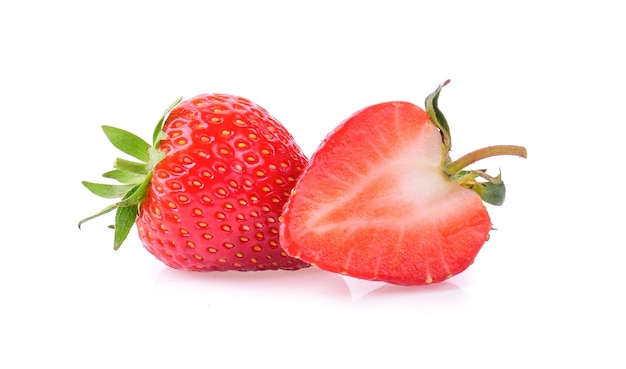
(381, 199)
(210, 195)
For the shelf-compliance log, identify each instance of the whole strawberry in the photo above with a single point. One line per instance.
(207, 195)
(381, 198)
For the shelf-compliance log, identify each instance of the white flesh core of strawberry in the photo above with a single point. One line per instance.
(399, 188)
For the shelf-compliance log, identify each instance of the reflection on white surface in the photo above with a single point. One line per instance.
(307, 287)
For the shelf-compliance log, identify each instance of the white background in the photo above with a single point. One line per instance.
(546, 291)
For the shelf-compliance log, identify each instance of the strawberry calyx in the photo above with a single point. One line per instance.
(490, 189)
(133, 177)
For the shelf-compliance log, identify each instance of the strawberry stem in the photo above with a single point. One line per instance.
(490, 189)
(486, 152)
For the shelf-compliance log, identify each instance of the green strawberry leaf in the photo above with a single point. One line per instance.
(128, 143)
(130, 166)
(125, 177)
(155, 157)
(108, 191)
(436, 116)
(106, 210)
(136, 195)
(158, 134)
(491, 193)
(124, 219)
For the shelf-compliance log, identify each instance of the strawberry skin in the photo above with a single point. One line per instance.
(215, 199)
(221, 172)
(376, 203)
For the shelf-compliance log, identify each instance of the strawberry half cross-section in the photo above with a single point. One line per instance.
(382, 200)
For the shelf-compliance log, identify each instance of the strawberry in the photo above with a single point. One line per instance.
(207, 195)
(382, 200)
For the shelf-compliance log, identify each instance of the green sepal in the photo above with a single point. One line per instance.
(436, 116)
(128, 143)
(158, 133)
(155, 157)
(136, 195)
(124, 219)
(491, 189)
(491, 193)
(106, 210)
(133, 177)
(125, 177)
(108, 191)
(130, 166)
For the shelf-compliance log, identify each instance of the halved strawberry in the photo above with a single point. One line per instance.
(381, 199)
(208, 193)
